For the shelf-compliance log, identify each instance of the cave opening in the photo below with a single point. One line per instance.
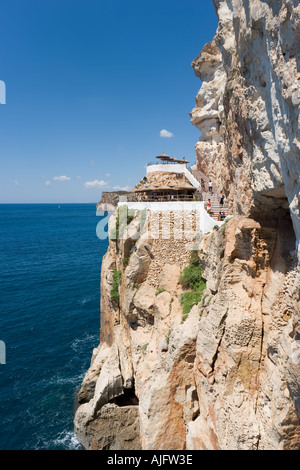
(272, 210)
(128, 398)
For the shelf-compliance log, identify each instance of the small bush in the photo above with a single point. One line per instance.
(114, 293)
(125, 261)
(191, 298)
(168, 336)
(159, 290)
(191, 277)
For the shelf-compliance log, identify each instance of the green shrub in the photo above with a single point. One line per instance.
(224, 226)
(144, 347)
(191, 298)
(125, 261)
(191, 277)
(168, 336)
(159, 290)
(114, 293)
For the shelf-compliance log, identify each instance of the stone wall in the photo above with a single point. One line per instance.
(205, 223)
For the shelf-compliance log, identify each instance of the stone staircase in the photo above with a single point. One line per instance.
(214, 197)
(215, 204)
(198, 174)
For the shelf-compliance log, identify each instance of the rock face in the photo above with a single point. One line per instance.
(227, 375)
(143, 367)
(247, 360)
(248, 107)
(112, 198)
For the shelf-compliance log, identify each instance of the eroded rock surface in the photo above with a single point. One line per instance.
(228, 375)
(248, 107)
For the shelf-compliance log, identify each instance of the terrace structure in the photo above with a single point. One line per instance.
(169, 180)
(170, 187)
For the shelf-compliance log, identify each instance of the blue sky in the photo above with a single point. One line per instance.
(89, 87)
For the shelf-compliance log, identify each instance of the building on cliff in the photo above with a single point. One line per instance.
(169, 180)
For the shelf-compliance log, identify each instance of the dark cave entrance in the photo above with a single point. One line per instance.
(128, 398)
(272, 210)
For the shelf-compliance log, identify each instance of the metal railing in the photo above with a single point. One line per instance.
(169, 198)
(165, 163)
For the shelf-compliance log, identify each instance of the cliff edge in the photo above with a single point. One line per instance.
(224, 371)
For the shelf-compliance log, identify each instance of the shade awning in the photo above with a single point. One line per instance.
(164, 157)
(167, 158)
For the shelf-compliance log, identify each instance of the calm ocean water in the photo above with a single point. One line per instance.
(49, 321)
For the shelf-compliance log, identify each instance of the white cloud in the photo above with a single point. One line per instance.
(121, 188)
(95, 184)
(107, 175)
(78, 177)
(166, 134)
(16, 182)
(61, 178)
(48, 183)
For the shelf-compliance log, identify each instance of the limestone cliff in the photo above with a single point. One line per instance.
(112, 198)
(227, 375)
(248, 107)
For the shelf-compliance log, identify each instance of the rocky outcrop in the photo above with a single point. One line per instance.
(112, 198)
(246, 369)
(248, 113)
(208, 114)
(248, 107)
(144, 364)
(113, 428)
(227, 374)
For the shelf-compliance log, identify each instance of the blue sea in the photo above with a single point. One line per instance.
(49, 320)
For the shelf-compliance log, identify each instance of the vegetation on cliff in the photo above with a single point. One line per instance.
(191, 278)
(124, 217)
(114, 293)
